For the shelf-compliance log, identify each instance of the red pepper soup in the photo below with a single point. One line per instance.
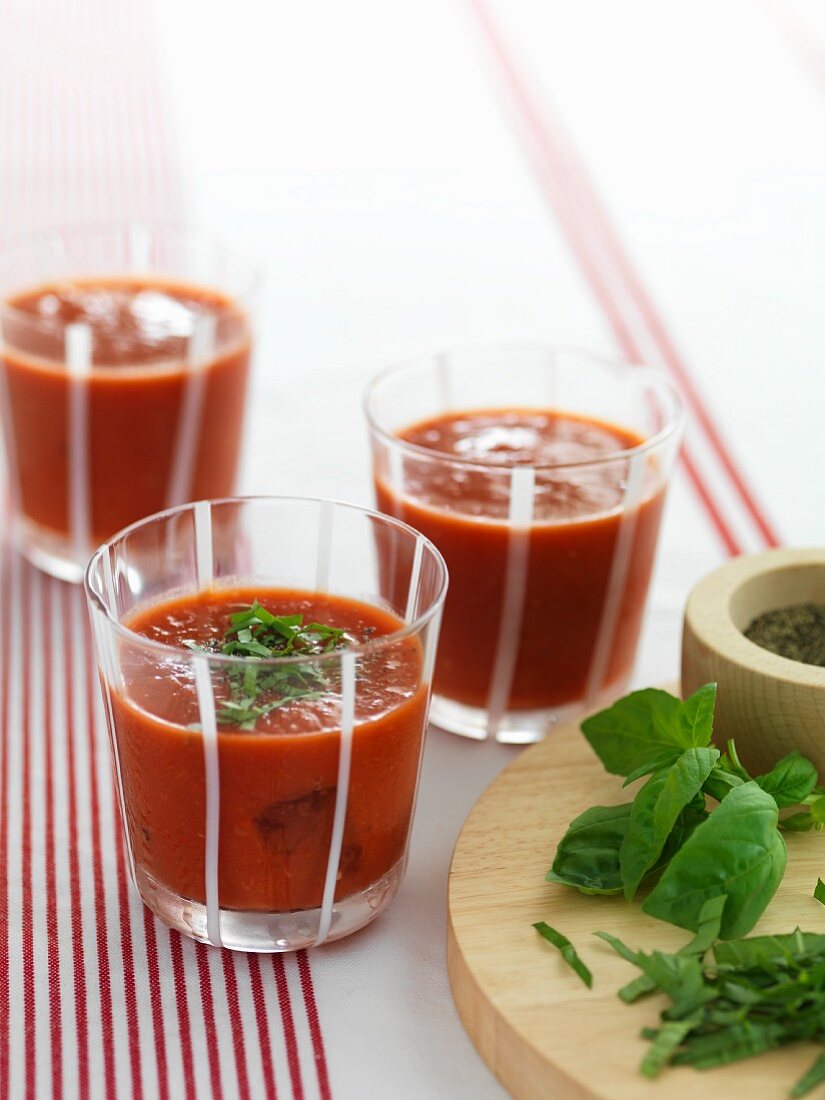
(278, 746)
(140, 389)
(455, 488)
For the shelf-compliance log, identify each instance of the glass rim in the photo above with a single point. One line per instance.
(19, 242)
(658, 380)
(94, 598)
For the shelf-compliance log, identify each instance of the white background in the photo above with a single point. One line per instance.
(361, 151)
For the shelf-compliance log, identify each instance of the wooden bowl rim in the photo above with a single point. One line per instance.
(708, 616)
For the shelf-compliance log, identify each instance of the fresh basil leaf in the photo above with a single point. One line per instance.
(656, 810)
(802, 822)
(588, 855)
(737, 851)
(668, 1039)
(648, 725)
(697, 714)
(663, 760)
(710, 924)
(721, 782)
(680, 976)
(790, 781)
(817, 812)
(814, 1076)
(768, 951)
(619, 947)
(819, 891)
(568, 951)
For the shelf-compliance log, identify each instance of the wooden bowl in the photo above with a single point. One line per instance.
(770, 705)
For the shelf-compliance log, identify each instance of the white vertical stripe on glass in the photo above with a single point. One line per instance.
(200, 349)
(622, 553)
(204, 564)
(322, 562)
(341, 793)
(78, 355)
(522, 493)
(415, 578)
(212, 776)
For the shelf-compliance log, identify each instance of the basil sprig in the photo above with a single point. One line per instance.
(747, 997)
(255, 690)
(668, 837)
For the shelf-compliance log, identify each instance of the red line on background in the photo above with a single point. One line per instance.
(565, 184)
(202, 956)
(314, 1025)
(27, 918)
(259, 1004)
(79, 973)
(101, 931)
(235, 1022)
(129, 991)
(153, 969)
(124, 917)
(184, 1026)
(55, 1003)
(5, 703)
(285, 1004)
(123, 913)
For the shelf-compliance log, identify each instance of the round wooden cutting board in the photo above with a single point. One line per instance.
(541, 1031)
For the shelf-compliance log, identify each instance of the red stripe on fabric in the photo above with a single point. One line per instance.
(53, 953)
(184, 1026)
(236, 1024)
(129, 991)
(567, 187)
(5, 703)
(729, 540)
(314, 1025)
(153, 969)
(78, 970)
(259, 1004)
(104, 978)
(202, 956)
(124, 918)
(26, 862)
(285, 1004)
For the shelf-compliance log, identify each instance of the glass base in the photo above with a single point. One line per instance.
(48, 550)
(518, 727)
(269, 932)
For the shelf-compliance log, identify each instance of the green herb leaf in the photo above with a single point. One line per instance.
(588, 855)
(737, 851)
(656, 810)
(710, 924)
(819, 891)
(790, 781)
(721, 782)
(808, 1081)
(257, 634)
(646, 726)
(668, 1038)
(568, 951)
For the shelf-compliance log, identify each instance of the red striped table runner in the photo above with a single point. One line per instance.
(97, 998)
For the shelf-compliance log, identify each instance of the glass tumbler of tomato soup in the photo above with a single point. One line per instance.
(124, 355)
(267, 701)
(540, 474)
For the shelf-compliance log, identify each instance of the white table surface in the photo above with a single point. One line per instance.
(365, 153)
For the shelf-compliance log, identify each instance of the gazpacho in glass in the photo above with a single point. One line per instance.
(123, 376)
(267, 737)
(547, 510)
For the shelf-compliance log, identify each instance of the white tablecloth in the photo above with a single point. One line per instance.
(411, 176)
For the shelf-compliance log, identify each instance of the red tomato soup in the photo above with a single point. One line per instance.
(278, 780)
(571, 544)
(136, 391)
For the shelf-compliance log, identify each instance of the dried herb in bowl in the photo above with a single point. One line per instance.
(796, 632)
